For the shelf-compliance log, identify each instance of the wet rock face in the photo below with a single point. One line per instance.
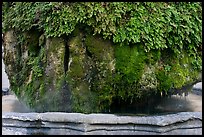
(85, 73)
(91, 61)
(10, 53)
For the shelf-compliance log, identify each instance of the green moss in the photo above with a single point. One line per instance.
(76, 31)
(183, 72)
(153, 56)
(148, 81)
(42, 88)
(102, 53)
(165, 81)
(177, 73)
(56, 48)
(76, 47)
(89, 73)
(99, 73)
(130, 62)
(83, 100)
(32, 39)
(98, 47)
(41, 98)
(77, 59)
(29, 78)
(55, 44)
(37, 88)
(76, 68)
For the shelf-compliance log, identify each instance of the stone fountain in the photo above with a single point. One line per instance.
(61, 76)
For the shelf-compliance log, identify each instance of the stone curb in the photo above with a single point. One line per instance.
(160, 120)
(78, 123)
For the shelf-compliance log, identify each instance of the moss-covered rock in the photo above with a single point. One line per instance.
(85, 73)
(79, 76)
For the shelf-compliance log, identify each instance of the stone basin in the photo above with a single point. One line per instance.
(58, 123)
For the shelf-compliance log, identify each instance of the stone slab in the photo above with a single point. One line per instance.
(182, 123)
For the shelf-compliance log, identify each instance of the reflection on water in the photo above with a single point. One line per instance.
(163, 106)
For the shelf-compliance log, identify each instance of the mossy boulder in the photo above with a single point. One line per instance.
(85, 73)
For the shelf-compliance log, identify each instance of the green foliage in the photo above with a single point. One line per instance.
(33, 88)
(165, 81)
(36, 64)
(175, 72)
(158, 25)
(153, 56)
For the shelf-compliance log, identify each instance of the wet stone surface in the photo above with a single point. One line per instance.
(183, 123)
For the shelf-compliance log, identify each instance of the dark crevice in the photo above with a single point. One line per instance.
(88, 53)
(66, 56)
(64, 102)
